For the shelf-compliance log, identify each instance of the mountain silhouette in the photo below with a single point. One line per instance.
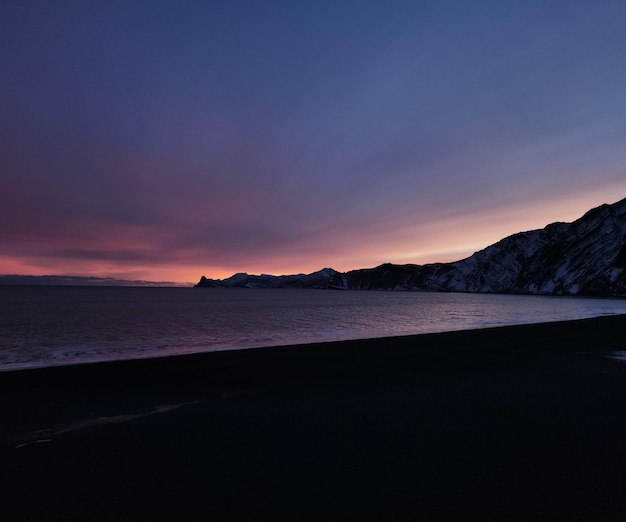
(586, 257)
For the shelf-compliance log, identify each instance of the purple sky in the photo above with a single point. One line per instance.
(166, 140)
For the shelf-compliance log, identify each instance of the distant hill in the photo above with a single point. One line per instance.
(55, 280)
(321, 279)
(586, 257)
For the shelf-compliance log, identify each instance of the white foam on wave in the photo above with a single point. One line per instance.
(618, 356)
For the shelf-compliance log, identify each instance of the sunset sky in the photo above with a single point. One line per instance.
(168, 140)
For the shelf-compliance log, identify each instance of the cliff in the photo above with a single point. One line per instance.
(585, 257)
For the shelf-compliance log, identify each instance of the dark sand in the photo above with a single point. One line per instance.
(514, 423)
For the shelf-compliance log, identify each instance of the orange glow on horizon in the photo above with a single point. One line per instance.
(445, 240)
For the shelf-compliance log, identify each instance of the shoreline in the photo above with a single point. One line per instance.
(508, 337)
(520, 422)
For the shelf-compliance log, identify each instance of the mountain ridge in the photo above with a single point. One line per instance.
(60, 280)
(586, 257)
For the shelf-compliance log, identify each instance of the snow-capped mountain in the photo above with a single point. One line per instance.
(586, 257)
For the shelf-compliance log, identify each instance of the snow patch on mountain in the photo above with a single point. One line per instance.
(585, 257)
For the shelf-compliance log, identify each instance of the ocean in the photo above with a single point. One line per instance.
(44, 326)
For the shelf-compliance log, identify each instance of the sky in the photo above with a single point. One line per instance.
(163, 141)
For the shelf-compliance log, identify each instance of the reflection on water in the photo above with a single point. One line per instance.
(43, 326)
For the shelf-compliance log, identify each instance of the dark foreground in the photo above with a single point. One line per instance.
(516, 423)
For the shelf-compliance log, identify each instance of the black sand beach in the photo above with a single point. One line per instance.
(514, 423)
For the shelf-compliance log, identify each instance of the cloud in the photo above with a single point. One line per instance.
(286, 138)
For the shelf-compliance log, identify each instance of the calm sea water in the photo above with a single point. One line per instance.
(47, 326)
